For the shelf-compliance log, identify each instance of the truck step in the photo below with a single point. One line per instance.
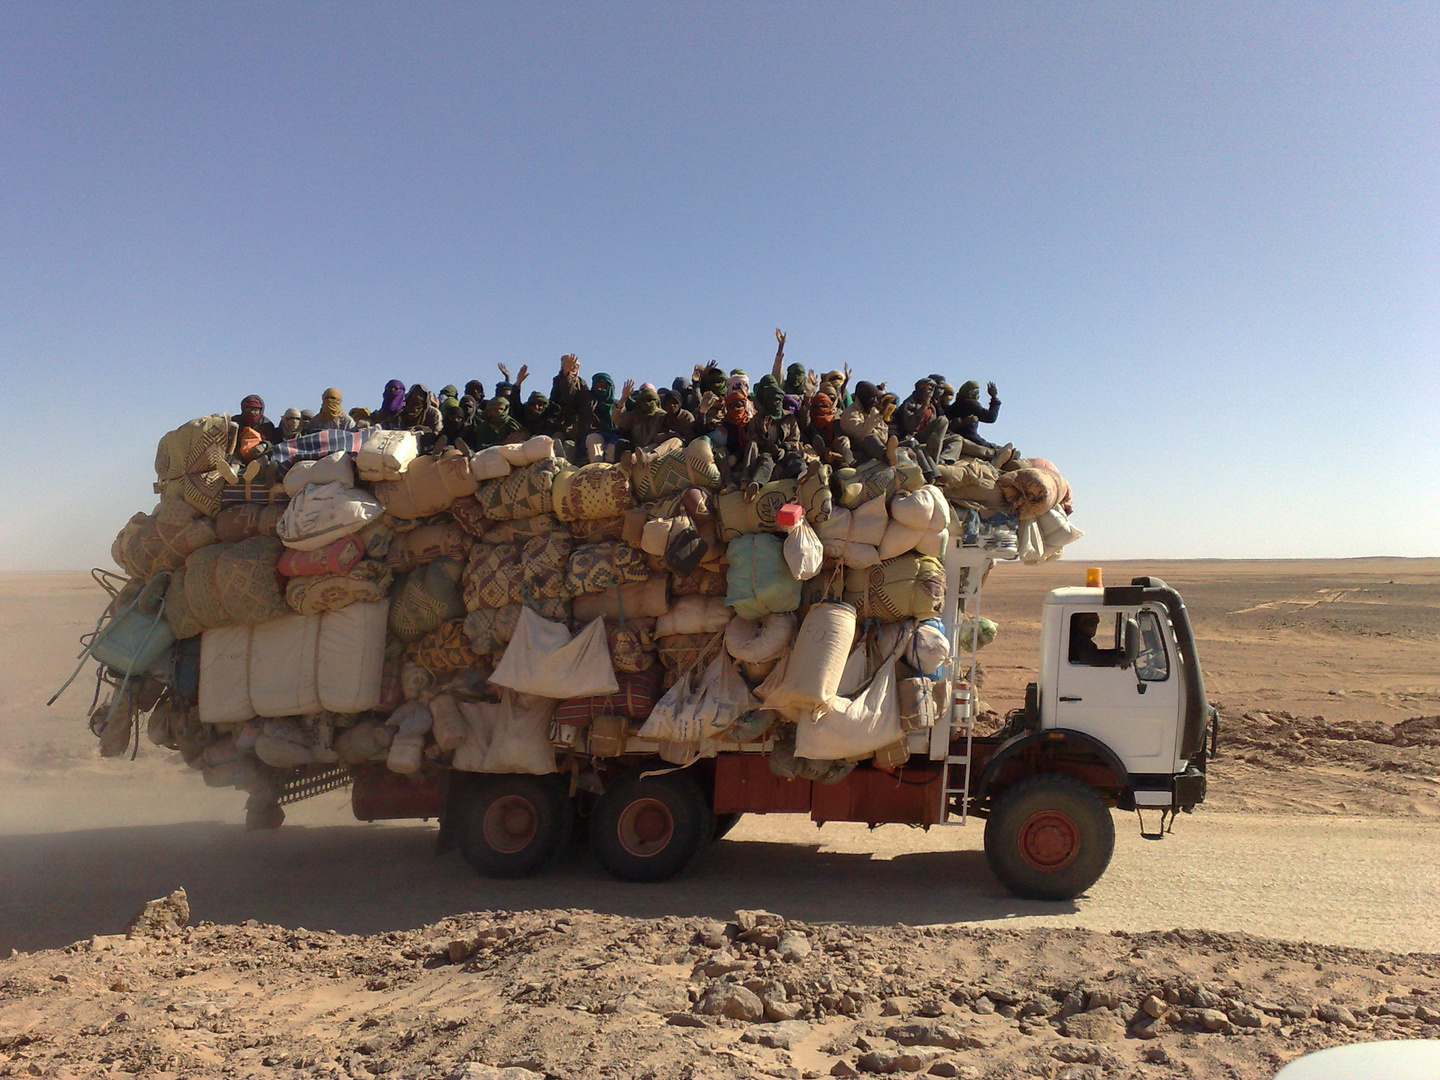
(957, 759)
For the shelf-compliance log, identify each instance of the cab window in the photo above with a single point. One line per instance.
(1093, 640)
(1153, 663)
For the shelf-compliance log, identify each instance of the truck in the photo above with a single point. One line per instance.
(1125, 727)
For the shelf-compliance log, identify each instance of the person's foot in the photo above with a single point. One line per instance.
(1002, 455)
(892, 451)
(439, 447)
(460, 445)
(752, 491)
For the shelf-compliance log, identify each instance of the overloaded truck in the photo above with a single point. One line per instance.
(524, 646)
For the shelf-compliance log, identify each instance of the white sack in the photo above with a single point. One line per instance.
(225, 676)
(511, 736)
(528, 452)
(322, 513)
(489, 464)
(542, 659)
(855, 726)
(755, 641)
(384, 454)
(803, 551)
(333, 469)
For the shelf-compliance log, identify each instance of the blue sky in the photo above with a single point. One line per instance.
(1194, 244)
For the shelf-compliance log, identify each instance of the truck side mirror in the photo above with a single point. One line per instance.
(1132, 643)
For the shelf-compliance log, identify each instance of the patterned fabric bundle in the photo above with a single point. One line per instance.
(444, 650)
(632, 646)
(519, 530)
(595, 568)
(489, 629)
(190, 462)
(446, 540)
(501, 574)
(677, 469)
(336, 558)
(427, 486)
(316, 445)
(635, 698)
(365, 582)
(911, 586)
(873, 479)
(522, 494)
(679, 651)
(591, 493)
(150, 543)
(643, 599)
(703, 582)
(470, 515)
(1030, 492)
(426, 597)
(598, 530)
(244, 520)
(247, 582)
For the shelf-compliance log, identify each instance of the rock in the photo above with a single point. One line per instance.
(1247, 1016)
(932, 1034)
(1101, 999)
(778, 1010)
(1154, 1007)
(1148, 1027)
(896, 1006)
(473, 1070)
(932, 1008)
(746, 921)
(782, 1036)
(843, 1068)
(877, 1061)
(1212, 1019)
(1337, 1014)
(1078, 1054)
(1094, 1026)
(955, 1069)
(716, 968)
(1427, 1015)
(983, 1005)
(1298, 1010)
(794, 946)
(733, 1002)
(159, 918)
(686, 1020)
(459, 950)
(1156, 1055)
(1397, 1008)
(916, 1058)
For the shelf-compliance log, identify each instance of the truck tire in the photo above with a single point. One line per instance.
(723, 824)
(650, 829)
(1049, 837)
(510, 825)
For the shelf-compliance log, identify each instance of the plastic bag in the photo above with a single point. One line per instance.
(803, 551)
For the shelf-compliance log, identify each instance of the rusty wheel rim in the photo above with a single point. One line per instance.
(1049, 840)
(645, 827)
(511, 824)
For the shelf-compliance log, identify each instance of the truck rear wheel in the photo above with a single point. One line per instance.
(511, 825)
(1050, 837)
(650, 829)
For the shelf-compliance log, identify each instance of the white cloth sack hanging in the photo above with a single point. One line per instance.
(755, 641)
(510, 736)
(700, 705)
(855, 726)
(542, 659)
(803, 551)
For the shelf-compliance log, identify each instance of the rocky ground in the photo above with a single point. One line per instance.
(573, 994)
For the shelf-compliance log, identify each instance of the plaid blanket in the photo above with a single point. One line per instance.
(316, 445)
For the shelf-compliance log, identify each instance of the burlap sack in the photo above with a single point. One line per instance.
(688, 466)
(594, 568)
(247, 581)
(191, 461)
(488, 629)
(911, 586)
(444, 650)
(445, 540)
(427, 486)
(426, 597)
(244, 520)
(522, 494)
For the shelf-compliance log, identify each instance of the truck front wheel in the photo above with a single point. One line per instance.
(650, 829)
(510, 825)
(1049, 837)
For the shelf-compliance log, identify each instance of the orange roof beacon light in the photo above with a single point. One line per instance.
(1093, 578)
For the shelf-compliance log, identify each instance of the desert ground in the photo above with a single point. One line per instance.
(1298, 908)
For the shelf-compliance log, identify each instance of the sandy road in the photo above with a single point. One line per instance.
(73, 866)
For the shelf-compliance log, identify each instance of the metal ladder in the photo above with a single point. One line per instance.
(975, 562)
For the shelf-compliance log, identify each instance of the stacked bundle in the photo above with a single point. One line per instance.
(489, 612)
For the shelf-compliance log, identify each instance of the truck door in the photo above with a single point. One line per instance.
(1134, 711)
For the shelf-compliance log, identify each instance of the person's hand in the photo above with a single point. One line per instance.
(780, 336)
(524, 371)
(627, 390)
(707, 401)
(880, 387)
(812, 381)
(504, 371)
(847, 376)
(569, 364)
(990, 389)
(695, 375)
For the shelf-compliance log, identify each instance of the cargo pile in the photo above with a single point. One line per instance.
(358, 601)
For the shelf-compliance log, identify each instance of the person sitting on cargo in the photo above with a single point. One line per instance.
(292, 425)
(252, 416)
(706, 400)
(966, 414)
(774, 444)
(331, 415)
(458, 424)
(496, 426)
(921, 421)
(595, 421)
(392, 403)
(826, 439)
(511, 389)
(538, 416)
(361, 416)
(420, 414)
(867, 424)
(676, 422)
(1083, 650)
(837, 381)
(639, 418)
